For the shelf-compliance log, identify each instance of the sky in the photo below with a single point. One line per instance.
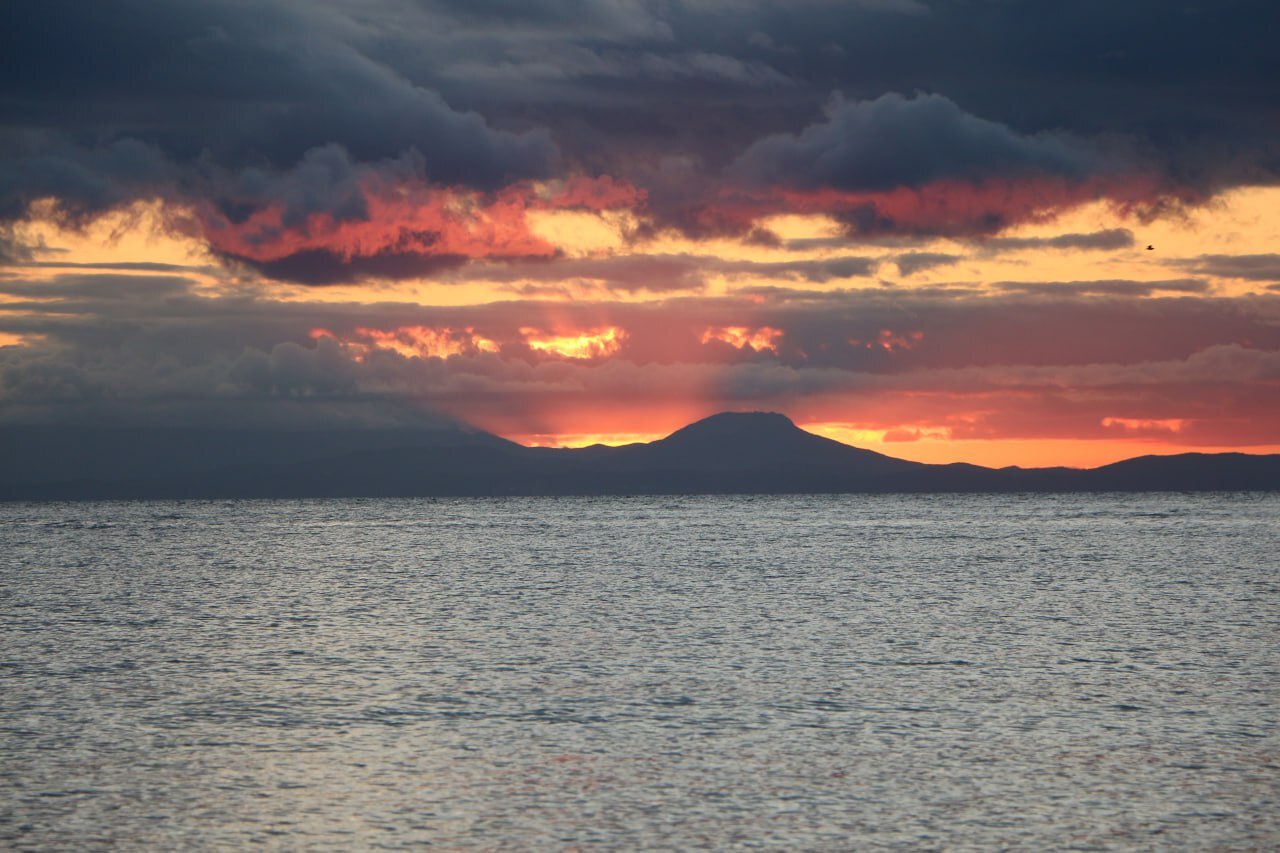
(995, 231)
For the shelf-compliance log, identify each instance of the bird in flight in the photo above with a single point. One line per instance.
(1150, 247)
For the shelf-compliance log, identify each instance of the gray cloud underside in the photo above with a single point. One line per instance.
(1111, 238)
(117, 341)
(894, 141)
(658, 273)
(1110, 287)
(914, 262)
(674, 272)
(1252, 267)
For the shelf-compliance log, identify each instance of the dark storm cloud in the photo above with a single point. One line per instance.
(325, 180)
(1183, 89)
(244, 80)
(894, 141)
(244, 105)
(85, 179)
(276, 79)
(102, 100)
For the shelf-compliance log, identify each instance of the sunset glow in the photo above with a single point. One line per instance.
(604, 249)
(742, 337)
(638, 424)
(592, 344)
(610, 439)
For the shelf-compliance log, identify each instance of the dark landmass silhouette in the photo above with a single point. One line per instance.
(732, 452)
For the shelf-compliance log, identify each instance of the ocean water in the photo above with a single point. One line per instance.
(1091, 672)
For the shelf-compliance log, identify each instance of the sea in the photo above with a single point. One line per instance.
(792, 672)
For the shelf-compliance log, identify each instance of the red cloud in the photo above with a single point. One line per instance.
(402, 220)
(413, 219)
(952, 207)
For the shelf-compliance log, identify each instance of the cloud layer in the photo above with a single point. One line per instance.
(922, 217)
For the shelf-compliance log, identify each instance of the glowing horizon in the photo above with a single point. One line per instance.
(930, 269)
(734, 313)
(938, 450)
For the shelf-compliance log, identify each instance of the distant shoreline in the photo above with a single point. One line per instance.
(730, 453)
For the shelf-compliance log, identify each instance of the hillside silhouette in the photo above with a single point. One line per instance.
(731, 452)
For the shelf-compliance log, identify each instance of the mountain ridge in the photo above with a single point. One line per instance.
(729, 452)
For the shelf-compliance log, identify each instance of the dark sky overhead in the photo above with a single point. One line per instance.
(913, 223)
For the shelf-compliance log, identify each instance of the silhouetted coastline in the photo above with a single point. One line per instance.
(728, 453)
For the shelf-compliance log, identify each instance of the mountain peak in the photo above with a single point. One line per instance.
(739, 421)
(739, 446)
(738, 425)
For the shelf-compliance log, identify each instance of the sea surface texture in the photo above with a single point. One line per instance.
(1090, 672)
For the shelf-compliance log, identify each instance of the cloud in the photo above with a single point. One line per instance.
(894, 141)
(139, 99)
(133, 348)
(1111, 238)
(84, 180)
(330, 220)
(658, 273)
(236, 107)
(100, 286)
(710, 66)
(123, 266)
(879, 330)
(341, 141)
(913, 262)
(1140, 77)
(13, 248)
(1252, 267)
(130, 98)
(271, 79)
(1104, 288)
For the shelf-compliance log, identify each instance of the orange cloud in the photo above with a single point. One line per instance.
(1148, 425)
(588, 344)
(405, 220)
(424, 342)
(743, 337)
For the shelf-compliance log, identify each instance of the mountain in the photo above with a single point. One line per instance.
(1191, 472)
(42, 463)
(732, 452)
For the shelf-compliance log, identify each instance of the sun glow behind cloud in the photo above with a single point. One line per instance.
(764, 312)
(589, 344)
(743, 337)
(937, 273)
